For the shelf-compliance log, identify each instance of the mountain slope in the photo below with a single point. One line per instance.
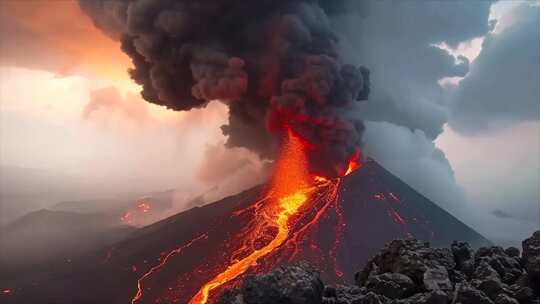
(338, 231)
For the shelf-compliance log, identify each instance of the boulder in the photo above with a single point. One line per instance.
(298, 284)
(391, 285)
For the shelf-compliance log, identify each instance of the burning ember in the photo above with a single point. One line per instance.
(132, 217)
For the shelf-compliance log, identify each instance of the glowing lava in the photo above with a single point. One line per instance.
(280, 226)
(131, 216)
(290, 187)
(354, 163)
(152, 270)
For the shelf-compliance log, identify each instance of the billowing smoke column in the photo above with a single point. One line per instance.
(274, 63)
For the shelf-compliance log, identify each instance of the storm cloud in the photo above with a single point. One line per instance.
(502, 87)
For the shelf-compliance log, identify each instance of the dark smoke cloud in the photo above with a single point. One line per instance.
(272, 62)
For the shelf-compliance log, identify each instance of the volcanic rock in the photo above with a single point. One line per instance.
(505, 299)
(285, 285)
(405, 272)
(512, 252)
(463, 256)
(434, 297)
(391, 285)
(469, 295)
(409, 257)
(437, 278)
(508, 267)
(486, 279)
(531, 255)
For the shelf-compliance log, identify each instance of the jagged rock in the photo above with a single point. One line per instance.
(391, 285)
(463, 255)
(512, 252)
(436, 278)
(469, 295)
(343, 294)
(457, 276)
(372, 298)
(487, 280)
(443, 257)
(434, 297)
(523, 294)
(505, 299)
(509, 268)
(409, 272)
(329, 292)
(299, 284)
(231, 296)
(531, 255)
(462, 251)
(409, 257)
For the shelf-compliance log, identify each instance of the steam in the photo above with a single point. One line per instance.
(274, 63)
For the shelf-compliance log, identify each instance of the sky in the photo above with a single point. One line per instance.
(454, 109)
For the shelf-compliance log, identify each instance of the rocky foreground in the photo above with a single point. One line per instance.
(407, 272)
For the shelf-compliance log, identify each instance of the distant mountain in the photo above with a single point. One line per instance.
(46, 236)
(370, 208)
(24, 189)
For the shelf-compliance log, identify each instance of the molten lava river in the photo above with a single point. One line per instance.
(274, 231)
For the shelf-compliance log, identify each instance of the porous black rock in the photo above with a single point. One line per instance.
(294, 284)
(391, 285)
(531, 258)
(409, 272)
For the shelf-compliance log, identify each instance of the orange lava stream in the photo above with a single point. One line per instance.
(290, 206)
(152, 270)
(329, 197)
(291, 188)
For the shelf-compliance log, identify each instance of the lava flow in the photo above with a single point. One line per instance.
(277, 230)
(290, 189)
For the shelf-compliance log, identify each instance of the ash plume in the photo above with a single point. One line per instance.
(274, 63)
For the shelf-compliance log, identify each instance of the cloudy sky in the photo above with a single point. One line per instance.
(454, 109)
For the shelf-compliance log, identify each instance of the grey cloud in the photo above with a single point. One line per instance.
(395, 42)
(503, 85)
(414, 158)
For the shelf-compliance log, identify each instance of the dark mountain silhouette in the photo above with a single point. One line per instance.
(373, 207)
(44, 236)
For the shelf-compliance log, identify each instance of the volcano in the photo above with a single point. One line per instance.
(346, 221)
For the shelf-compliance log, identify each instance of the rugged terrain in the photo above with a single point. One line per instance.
(409, 272)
